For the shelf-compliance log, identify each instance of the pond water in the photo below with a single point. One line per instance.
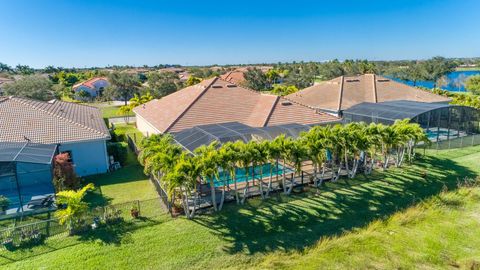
(454, 80)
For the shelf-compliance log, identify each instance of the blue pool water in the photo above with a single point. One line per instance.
(240, 173)
(452, 78)
(432, 134)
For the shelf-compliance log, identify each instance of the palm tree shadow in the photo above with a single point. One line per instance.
(300, 220)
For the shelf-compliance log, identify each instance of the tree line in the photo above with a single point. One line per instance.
(349, 148)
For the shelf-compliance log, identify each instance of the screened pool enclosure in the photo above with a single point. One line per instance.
(447, 126)
(26, 177)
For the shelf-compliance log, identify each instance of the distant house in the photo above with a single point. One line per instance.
(215, 101)
(341, 93)
(234, 76)
(94, 87)
(76, 129)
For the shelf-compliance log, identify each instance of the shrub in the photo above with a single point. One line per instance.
(118, 150)
(4, 203)
(64, 176)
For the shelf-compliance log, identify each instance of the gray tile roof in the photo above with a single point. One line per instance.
(49, 122)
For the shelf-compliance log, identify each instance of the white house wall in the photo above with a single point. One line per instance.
(89, 157)
(145, 127)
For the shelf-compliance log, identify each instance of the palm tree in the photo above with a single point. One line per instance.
(230, 154)
(279, 146)
(273, 155)
(358, 144)
(389, 138)
(76, 207)
(261, 158)
(295, 152)
(184, 178)
(208, 160)
(314, 149)
(373, 133)
(245, 156)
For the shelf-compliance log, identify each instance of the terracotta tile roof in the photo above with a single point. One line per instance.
(218, 101)
(49, 122)
(235, 76)
(343, 92)
(89, 83)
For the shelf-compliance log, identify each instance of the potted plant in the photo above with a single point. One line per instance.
(4, 203)
(134, 212)
(7, 242)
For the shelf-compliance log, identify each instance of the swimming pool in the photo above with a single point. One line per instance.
(241, 176)
(433, 134)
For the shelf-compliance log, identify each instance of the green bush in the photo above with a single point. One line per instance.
(118, 150)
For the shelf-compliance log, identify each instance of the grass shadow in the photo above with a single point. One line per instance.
(299, 220)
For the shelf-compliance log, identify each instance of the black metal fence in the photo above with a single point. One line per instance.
(30, 233)
(133, 142)
(460, 142)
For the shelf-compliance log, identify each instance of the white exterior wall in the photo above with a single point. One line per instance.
(145, 127)
(89, 157)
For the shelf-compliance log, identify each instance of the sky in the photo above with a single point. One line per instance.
(91, 33)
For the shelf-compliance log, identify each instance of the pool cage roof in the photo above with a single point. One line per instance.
(27, 152)
(393, 110)
(194, 137)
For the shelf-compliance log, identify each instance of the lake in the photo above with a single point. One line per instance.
(454, 80)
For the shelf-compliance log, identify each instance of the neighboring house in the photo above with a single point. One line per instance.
(341, 93)
(76, 129)
(234, 76)
(94, 86)
(216, 101)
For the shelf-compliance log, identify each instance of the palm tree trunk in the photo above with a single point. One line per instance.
(234, 176)
(213, 195)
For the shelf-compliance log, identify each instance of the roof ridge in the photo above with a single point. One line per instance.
(191, 104)
(20, 100)
(271, 111)
(340, 94)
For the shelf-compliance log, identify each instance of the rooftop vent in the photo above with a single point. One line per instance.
(286, 103)
(383, 80)
(353, 80)
(217, 86)
(231, 85)
(52, 101)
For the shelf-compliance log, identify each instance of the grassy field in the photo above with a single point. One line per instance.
(402, 218)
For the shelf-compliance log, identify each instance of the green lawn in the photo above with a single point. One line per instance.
(394, 219)
(112, 111)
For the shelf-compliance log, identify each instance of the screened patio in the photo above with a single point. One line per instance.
(441, 122)
(192, 138)
(26, 177)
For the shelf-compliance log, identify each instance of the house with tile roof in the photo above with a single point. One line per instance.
(216, 101)
(94, 87)
(341, 93)
(234, 76)
(74, 128)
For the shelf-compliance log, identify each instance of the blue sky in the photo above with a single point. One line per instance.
(99, 33)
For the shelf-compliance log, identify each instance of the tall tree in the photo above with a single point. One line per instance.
(473, 84)
(123, 85)
(5, 68)
(162, 83)
(32, 86)
(437, 67)
(255, 79)
(24, 70)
